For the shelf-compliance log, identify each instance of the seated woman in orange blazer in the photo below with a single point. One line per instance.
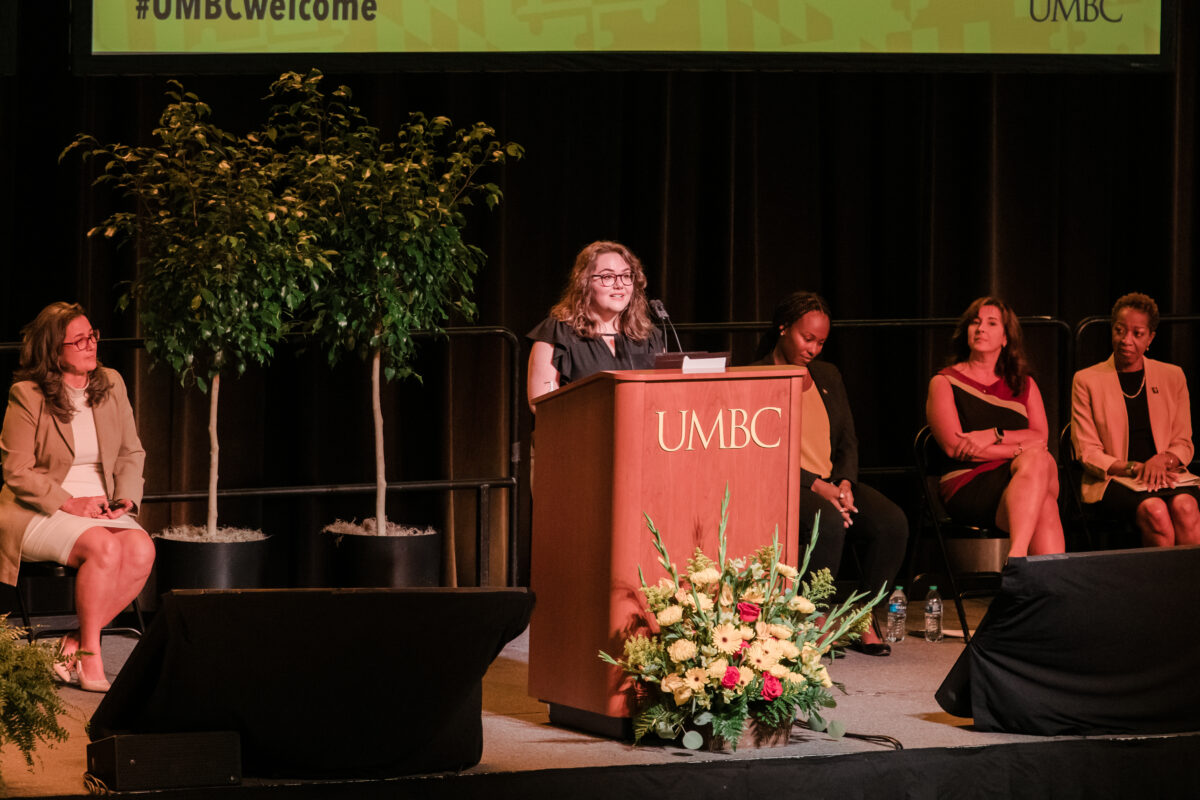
(1131, 418)
(72, 465)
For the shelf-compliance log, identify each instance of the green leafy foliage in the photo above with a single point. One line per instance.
(388, 215)
(224, 261)
(315, 222)
(29, 701)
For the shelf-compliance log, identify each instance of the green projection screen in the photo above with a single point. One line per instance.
(589, 34)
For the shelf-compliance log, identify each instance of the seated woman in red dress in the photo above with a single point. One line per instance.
(987, 415)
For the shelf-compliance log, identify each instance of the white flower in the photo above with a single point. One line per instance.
(801, 605)
(780, 631)
(681, 650)
(754, 594)
(760, 656)
(669, 616)
(696, 677)
(677, 686)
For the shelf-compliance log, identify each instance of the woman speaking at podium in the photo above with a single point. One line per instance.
(1132, 429)
(601, 322)
(829, 458)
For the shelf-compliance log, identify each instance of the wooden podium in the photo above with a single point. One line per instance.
(662, 443)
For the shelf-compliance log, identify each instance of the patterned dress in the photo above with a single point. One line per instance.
(982, 407)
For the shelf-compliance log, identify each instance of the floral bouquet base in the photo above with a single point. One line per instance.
(755, 735)
(733, 649)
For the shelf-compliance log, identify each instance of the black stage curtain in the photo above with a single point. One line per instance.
(894, 194)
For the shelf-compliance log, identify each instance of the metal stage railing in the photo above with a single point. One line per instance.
(1067, 345)
(482, 486)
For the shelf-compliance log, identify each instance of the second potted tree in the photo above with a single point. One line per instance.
(389, 215)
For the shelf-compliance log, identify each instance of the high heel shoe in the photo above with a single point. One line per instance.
(100, 686)
(89, 685)
(63, 665)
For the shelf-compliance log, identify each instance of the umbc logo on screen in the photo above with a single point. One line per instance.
(278, 10)
(1070, 11)
(742, 429)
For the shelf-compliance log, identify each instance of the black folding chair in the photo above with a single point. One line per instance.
(32, 570)
(926, 454)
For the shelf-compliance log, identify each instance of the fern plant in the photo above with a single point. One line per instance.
(29, 701)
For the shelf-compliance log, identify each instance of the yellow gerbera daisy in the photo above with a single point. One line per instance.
(727, 638)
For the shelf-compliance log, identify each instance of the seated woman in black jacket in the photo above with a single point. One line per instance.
(829, 459)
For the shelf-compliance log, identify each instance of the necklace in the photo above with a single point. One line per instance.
(1141, 386)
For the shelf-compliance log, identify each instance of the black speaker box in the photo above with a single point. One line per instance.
(166, 761)
(320, 683)
(1085, 644)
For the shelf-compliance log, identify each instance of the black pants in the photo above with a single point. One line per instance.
(880, 530)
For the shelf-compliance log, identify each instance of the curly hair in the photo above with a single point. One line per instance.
(790, 309)
(572, 307)
(1138, 302)
(1012, 364)
(41, 345)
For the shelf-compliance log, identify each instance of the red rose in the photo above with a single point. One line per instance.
(748, 611)
(772, 688)
(731, 677)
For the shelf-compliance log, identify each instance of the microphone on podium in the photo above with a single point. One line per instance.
(660, 311)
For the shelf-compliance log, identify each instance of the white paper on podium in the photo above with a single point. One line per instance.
(716, 364)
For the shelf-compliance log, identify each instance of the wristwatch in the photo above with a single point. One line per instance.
(1130, 469)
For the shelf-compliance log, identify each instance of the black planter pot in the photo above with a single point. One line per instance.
(211, 565)
(384, 561)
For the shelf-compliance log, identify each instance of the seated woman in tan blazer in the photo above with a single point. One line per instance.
(1131, 420)
(72, 466)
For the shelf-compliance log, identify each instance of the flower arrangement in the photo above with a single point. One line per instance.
(737, 640)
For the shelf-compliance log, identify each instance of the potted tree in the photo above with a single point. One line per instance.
(389, 215)
(222, 263)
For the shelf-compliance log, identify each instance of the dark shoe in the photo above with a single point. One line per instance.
(872, 649)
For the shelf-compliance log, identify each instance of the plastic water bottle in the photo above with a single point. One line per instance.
(897, 618)
(933, 615)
